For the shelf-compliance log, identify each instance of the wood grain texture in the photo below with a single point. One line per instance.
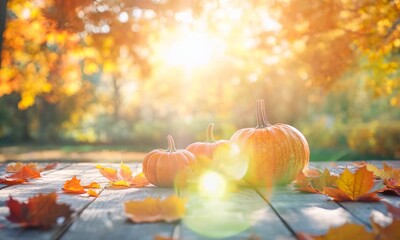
(238, 216)
(267, 214)
(304, 212)
(104, 218)
(51, 182)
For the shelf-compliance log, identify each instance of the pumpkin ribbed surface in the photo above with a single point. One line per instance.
(276, 153)
(207, 148)
(160, 166)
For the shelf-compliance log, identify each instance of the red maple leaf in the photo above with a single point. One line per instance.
(41, 211)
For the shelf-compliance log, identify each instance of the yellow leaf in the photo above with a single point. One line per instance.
(154, 209)
(354, 187)
(347, 231)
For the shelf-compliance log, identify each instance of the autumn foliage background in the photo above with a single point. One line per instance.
(132, 72)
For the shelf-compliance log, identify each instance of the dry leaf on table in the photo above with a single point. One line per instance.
(92, 193)
(123, 176)
(21, 176)
(41, 211)
(354, 187)
(92, 185)
(315, 183)
(73, 186)
(154, 209)
(347, 231)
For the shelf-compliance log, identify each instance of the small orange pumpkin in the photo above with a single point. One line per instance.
(161, 167)
(277, 153)
(207, 148)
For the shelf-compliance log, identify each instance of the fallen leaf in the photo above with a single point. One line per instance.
(139, 181)
(109, 173)
(92, 185)
(41, 211)
(315, 184)
(25, 173)
(73, 186)
(393, 211)
(160, 237)
(391, 172)
(378, 173)
(15, 167)
(122, 177)
(92, 193)
(354, 187)
(154, 209)
(303, 184)
(392, 231)
(347, 231)
(386, 172)
(48, 167)
(11, 181)
(392, 187)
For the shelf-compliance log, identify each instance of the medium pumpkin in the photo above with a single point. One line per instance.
(161, 167)
(276, 153)
(207, 148)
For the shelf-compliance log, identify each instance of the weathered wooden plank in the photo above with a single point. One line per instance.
(59, 166)
(51, 182)
(238, 216)
(104, 218)
(362, 210)
(303, 212)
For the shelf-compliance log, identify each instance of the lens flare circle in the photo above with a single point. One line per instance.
(212, 185)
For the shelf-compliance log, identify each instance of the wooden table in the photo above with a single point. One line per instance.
(247, 214)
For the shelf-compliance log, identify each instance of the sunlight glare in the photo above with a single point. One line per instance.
(191, 49)
(212, 185)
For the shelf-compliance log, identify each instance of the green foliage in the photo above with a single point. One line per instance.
(378, 138)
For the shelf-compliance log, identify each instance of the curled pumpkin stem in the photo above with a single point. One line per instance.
(210, 133)
(171, 144)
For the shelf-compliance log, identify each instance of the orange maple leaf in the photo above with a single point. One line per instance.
(92, 193)
(92, 185)
(346, 231)
(25, 173)
(354, 187)
(41, 211)
(73, 186)
(154, 209)
(10, 181)
(123, 176)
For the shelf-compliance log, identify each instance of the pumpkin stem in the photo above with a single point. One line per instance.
(210, 133)
(171, 144)
(260, 115)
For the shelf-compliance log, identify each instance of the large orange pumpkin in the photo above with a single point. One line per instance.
(276, 153)
(161, 167)
(207, 148)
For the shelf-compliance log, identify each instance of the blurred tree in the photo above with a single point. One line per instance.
(107, 70)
